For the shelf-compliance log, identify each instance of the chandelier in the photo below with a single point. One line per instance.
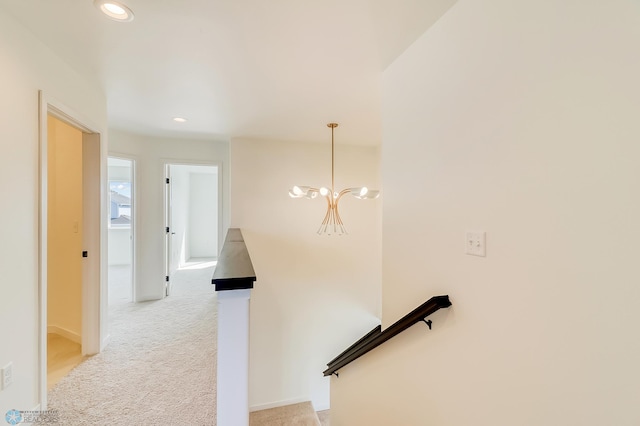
(332, 224)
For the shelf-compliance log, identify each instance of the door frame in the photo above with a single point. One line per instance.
(168, 244)
(134, 216)
(94, 291)
(166, 164)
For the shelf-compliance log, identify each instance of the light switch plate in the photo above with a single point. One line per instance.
(476, 243)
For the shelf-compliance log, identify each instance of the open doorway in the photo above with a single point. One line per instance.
(192, 218)
(120, 235)
(71, 243)
(65, 245)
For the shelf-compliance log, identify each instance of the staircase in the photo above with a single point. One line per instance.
(289, 415)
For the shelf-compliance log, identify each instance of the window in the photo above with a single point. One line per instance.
(119, 204)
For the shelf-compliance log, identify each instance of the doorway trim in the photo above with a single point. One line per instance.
(94, 294)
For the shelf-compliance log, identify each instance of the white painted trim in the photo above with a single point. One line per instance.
(42, 255)
(94, 316)
(277, 404)
(168, 210)
(63, 113)
(67, 334)
(105, 342)
(92, 239)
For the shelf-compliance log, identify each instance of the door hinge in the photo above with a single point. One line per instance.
(167, 180)
(166, 278)
(166, 229)
(85, 254)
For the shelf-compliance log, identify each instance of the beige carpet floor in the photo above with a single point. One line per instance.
(159, 368)
(291, 415)
(325, 417)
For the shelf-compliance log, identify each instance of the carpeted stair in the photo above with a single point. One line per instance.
(289, 415)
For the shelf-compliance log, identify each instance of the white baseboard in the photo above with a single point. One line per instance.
(322, 407)
(74, 337)
(105, 342)
(276, 404)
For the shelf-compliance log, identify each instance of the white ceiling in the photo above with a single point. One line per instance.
(271, 69)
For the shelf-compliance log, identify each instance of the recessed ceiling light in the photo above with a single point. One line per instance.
(179, 119)
(114, 10)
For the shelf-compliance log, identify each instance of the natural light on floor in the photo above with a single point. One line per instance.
(198, 264)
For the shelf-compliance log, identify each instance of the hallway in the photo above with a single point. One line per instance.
(159, 367)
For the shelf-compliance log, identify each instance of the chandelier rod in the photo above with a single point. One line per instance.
(333, 126)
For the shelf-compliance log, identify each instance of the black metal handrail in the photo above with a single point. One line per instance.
(376, 337)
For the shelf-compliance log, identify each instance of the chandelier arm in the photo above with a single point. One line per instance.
(333, 221)
(335, 204)
(338, 219)
(343, 230)
(327, 218)
(337, 212)
(320, 230)
(341, 193)
(328, 213)
(328, 221)
(344, 191)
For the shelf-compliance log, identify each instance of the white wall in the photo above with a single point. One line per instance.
(180, 215)
(27, 66)
(151, 155)
(314, 294)
(518, 119)
(203, 214)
